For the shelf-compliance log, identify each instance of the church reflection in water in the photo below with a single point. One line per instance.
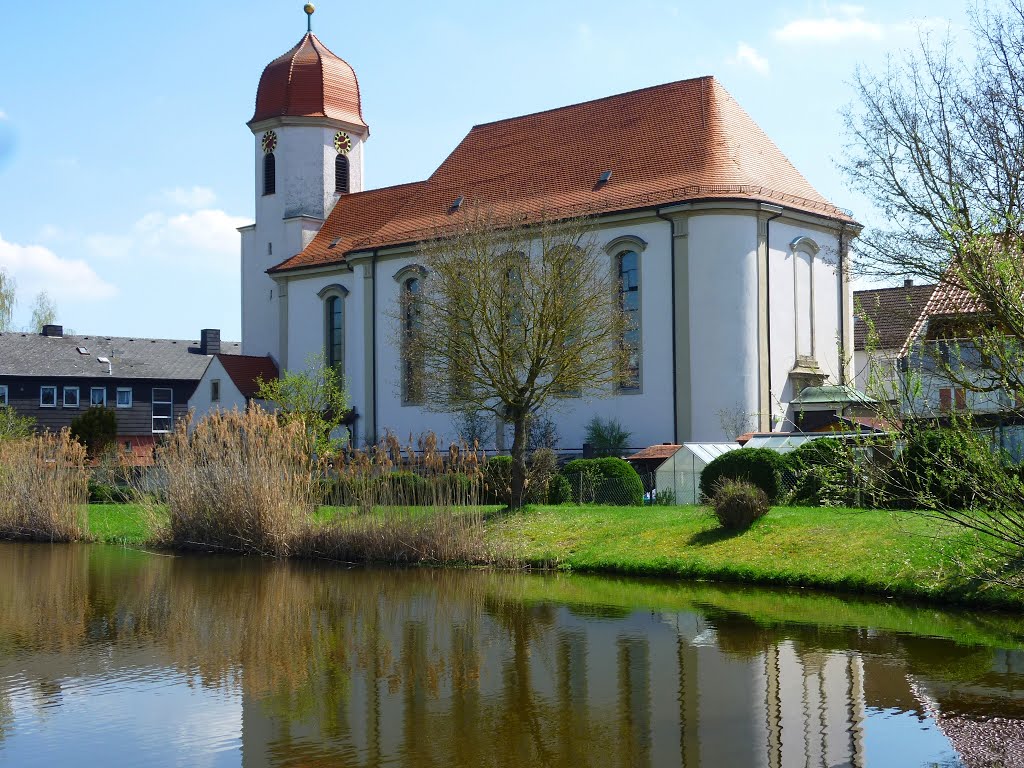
(326, 666)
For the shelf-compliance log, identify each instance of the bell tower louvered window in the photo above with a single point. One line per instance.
(341, 169)
(269, 174)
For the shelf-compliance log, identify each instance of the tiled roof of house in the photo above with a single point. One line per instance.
(32, 354)
(245, 370)
(946, 300)
(309, 81)
(655, 452)
(892, 312)
(682, 141)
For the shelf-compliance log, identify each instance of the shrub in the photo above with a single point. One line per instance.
(96, 429)
(13, 426)
(607, 480)
(607, 438)
(823, 469)
(543, 465)
(559, 491)
(738, 503)
(951, 469)
(665, 498)
(760, 466)
(43, 488)
(498, 480)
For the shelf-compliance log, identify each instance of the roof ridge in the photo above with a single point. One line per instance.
(590, 101)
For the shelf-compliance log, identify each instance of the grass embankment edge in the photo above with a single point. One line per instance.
(864, 552)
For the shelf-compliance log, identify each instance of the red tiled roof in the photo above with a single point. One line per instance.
(682, 141)
(946, 300)
(244, 370)
(664, 451)
(354, 217)
(893, 312)
(309, 81)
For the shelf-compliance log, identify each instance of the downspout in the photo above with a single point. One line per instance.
(672, 278)
(373, 338)
(842, 307)
(768, 304)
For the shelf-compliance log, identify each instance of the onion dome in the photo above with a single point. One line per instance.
(309, 81)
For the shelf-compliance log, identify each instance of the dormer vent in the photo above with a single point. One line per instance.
(457, 204)
(605, 178)
(82, 350)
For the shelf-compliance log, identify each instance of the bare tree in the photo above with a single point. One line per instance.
(936, 142)
(508, 318)
(7, 297)
(44, 311)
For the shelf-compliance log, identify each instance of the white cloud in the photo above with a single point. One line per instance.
(3, 115)
(36, 268)
(847, 22)
(198, 235)
(747, 56)
(191, 198)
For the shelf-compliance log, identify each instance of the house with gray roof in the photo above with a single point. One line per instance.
(148, 383)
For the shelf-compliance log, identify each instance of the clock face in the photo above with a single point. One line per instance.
(269, 141)
(342, 142)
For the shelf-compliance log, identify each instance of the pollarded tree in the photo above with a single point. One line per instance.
(509, 317)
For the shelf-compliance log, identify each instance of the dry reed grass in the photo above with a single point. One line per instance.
(407, 504)
(43, 488)
(238, 481)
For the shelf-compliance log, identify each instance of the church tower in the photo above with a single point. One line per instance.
(308, 136)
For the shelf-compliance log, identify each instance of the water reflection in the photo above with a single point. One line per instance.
(115, 657)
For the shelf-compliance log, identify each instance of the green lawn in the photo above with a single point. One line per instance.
(889, 553)
(894, 553)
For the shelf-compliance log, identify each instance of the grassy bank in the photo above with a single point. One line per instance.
(863, 551)
(869, 551)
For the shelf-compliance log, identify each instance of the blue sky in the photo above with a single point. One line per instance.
(125, 162)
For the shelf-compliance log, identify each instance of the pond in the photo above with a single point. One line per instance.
(116, 657)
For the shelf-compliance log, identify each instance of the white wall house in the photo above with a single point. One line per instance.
(742, 279)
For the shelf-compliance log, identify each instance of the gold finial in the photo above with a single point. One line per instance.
(309, 8)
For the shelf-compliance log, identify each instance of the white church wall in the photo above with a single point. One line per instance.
(723, 321)
(827, 309)
(648, 414)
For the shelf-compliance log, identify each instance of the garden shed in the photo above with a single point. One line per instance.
(681, 471)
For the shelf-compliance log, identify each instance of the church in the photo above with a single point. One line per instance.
(734, 267)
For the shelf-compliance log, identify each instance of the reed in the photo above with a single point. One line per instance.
(43, 488)
(237, 481)
(406, 504)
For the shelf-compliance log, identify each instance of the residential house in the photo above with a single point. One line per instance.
(148, 383)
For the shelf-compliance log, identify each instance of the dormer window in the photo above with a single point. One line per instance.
(341, 169)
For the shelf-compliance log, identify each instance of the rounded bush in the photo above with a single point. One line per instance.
(738, 503)
(559, 490)
(760, 466)
(607, 480)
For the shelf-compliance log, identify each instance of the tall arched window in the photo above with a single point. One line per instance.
(269, 174)
(335, 325)
(628, 266)
(341, 174)
(412, 379)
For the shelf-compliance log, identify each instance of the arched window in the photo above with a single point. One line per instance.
(412, 380)
(269, 174)
(341, 174)
(628, 267)
(335, 324)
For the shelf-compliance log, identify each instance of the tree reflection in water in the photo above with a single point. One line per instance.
(439, 668)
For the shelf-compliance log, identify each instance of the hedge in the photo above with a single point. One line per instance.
(760, 466)
(607, 480)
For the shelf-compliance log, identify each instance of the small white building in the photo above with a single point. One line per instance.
(736, 268)
(231, 382)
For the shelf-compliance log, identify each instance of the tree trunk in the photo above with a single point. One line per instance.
(518, 460)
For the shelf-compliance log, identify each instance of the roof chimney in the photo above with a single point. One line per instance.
(209, 341)
(53, 330)
(908, 282)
